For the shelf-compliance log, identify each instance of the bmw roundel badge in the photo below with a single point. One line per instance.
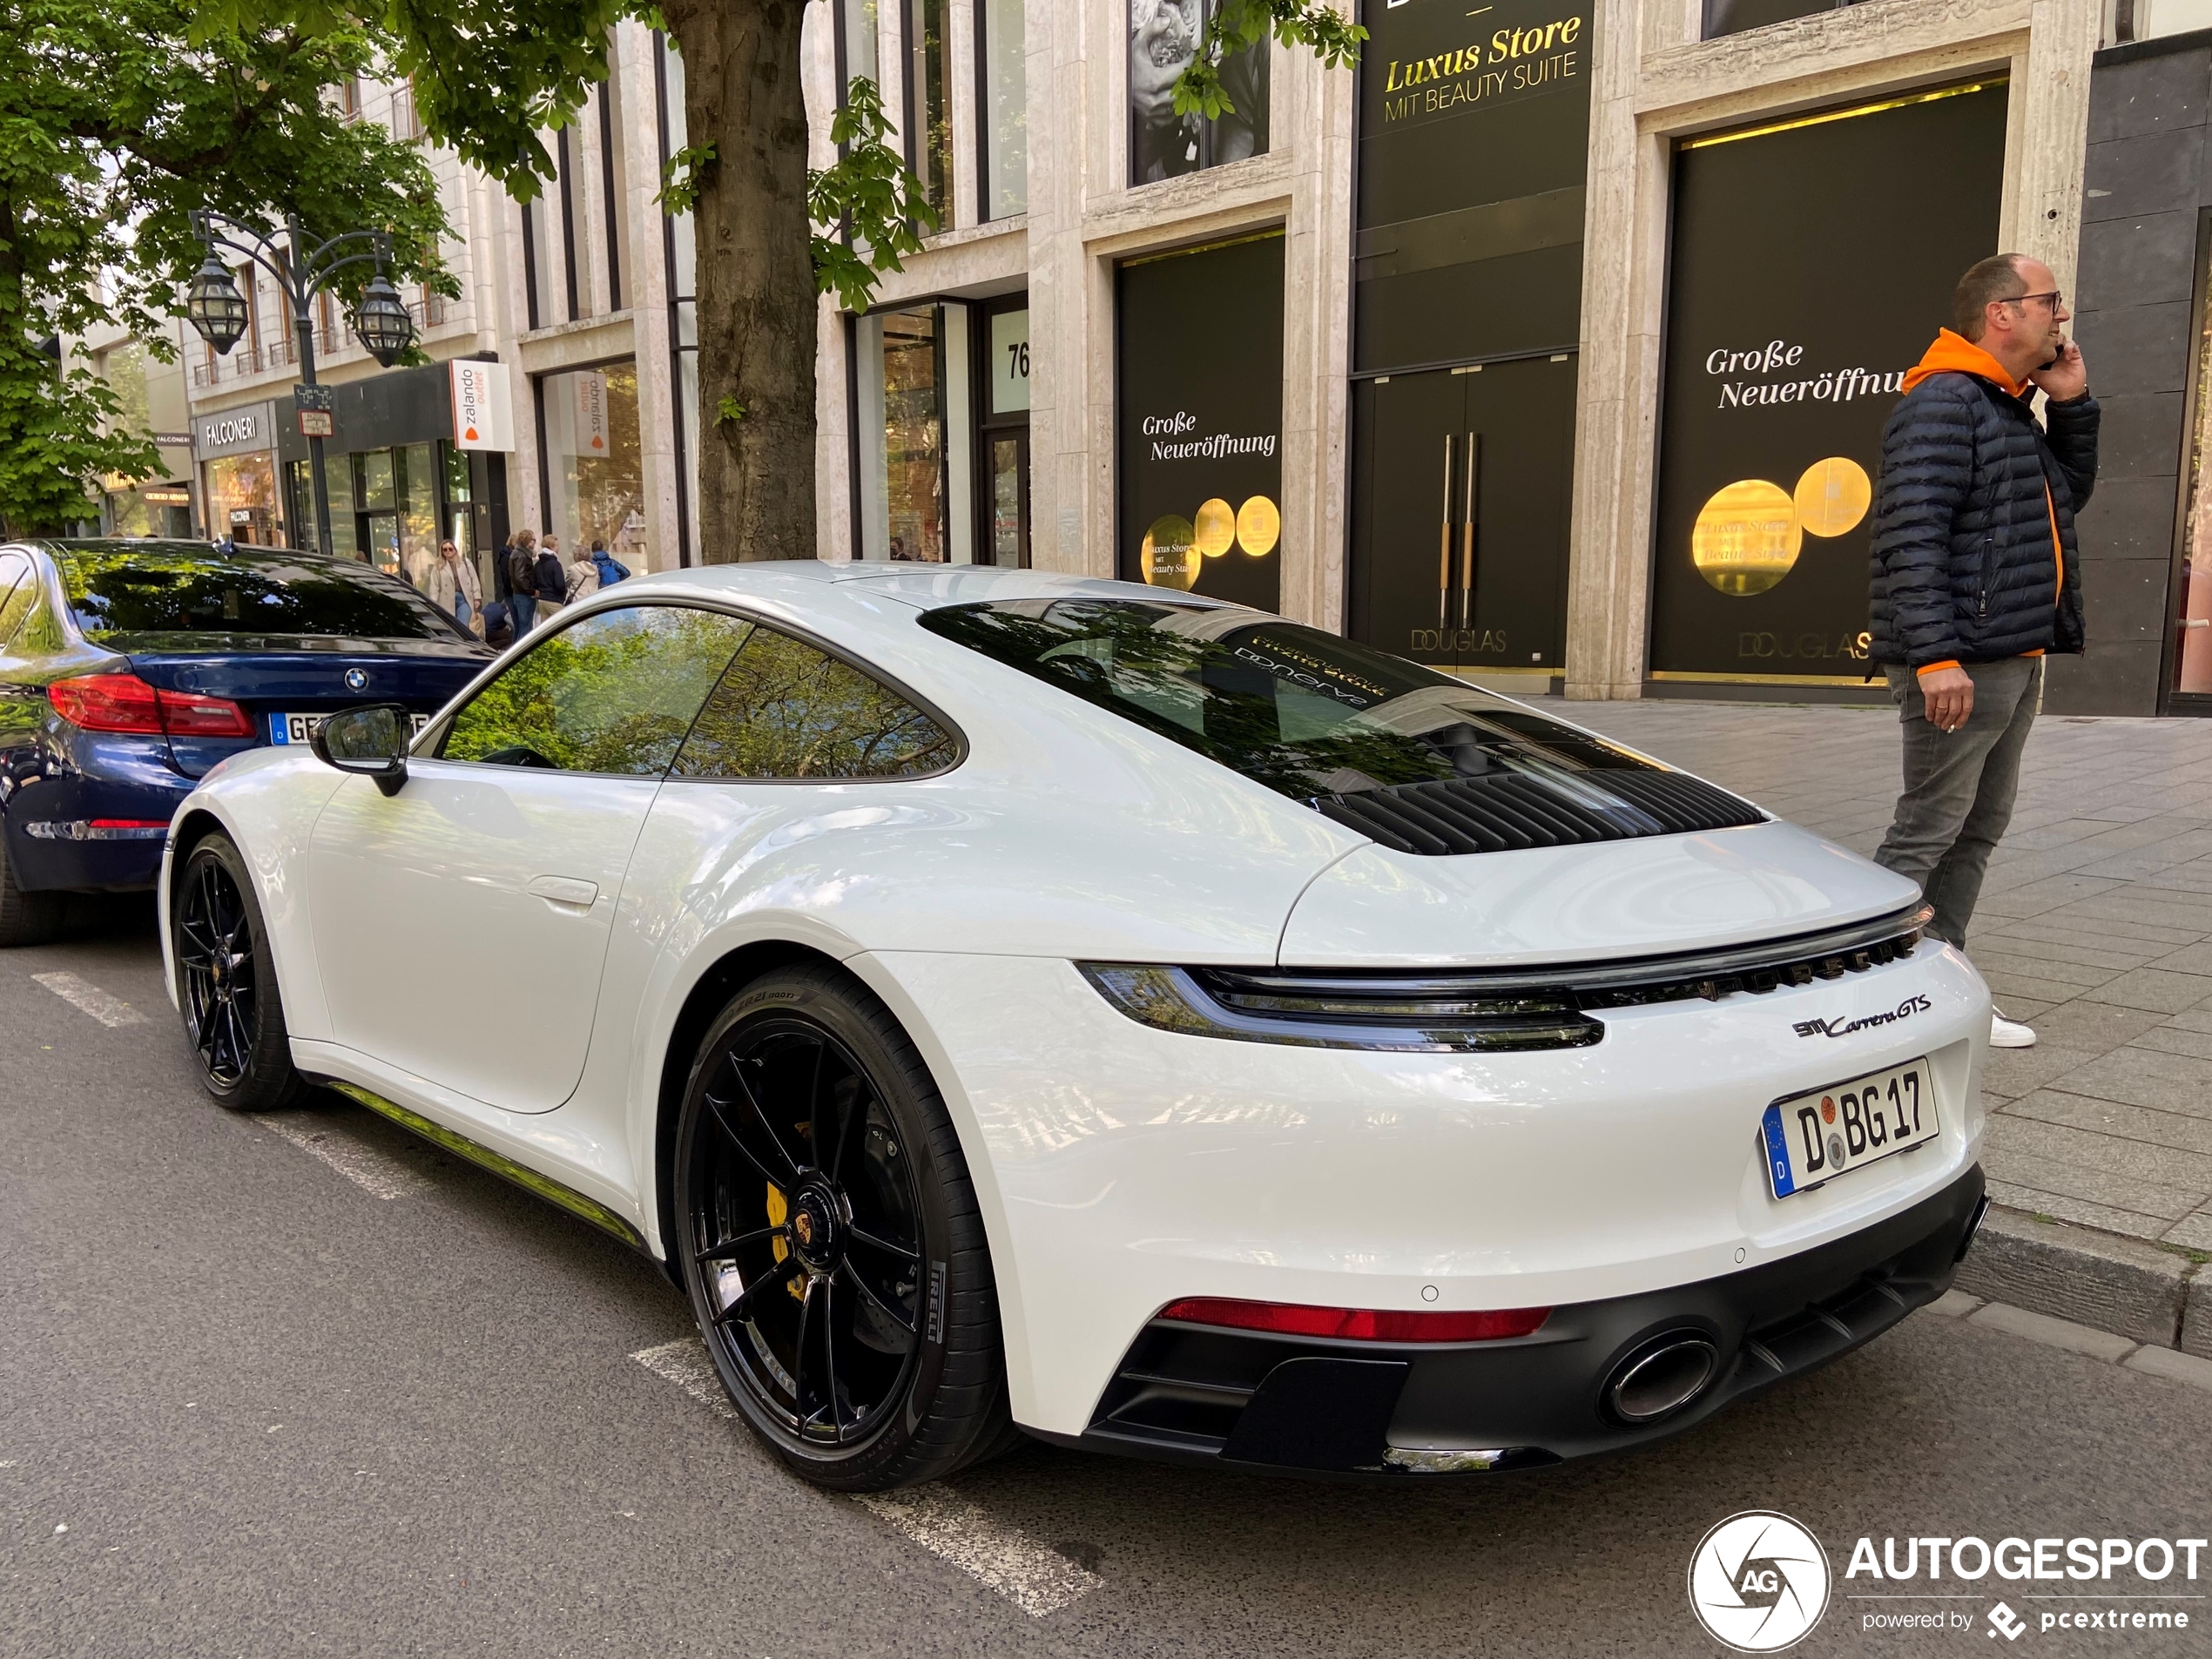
(355, 680)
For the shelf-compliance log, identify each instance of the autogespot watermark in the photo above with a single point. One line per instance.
(1760, 1582)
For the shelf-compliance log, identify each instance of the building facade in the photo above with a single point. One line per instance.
(1550, 345)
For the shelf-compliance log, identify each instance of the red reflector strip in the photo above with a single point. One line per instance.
(1357, 1324)
(131, 823)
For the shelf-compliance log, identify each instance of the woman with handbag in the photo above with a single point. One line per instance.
(455, 588)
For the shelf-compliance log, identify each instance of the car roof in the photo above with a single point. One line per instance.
(850, 586)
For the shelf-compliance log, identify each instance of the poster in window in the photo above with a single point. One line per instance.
(1199, 421)
(1780, 368)
(1164, 36)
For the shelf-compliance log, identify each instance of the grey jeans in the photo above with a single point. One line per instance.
(1959, 786)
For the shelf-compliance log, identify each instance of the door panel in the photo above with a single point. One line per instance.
(461, 924)
(1465, 481)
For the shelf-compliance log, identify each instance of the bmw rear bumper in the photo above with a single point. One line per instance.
(1291, 1405)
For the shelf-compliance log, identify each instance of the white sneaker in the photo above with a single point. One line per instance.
(2009, 1034)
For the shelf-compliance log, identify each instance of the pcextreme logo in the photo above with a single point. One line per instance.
(1759, 1582)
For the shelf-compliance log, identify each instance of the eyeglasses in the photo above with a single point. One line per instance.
(2055, 298)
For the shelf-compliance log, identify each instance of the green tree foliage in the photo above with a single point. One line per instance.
(118, 118)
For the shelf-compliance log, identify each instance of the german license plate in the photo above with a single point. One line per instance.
(1813, 1138)
(301, 728)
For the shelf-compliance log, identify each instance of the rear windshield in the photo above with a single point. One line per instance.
(1300, 710)
(186, 588)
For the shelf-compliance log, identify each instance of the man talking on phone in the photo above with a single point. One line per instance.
(1975, 574)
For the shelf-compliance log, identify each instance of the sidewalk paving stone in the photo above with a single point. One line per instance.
(2095, 924)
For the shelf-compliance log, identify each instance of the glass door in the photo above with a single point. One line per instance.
(1464, 479)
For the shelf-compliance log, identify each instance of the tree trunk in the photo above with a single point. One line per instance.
(756, 278)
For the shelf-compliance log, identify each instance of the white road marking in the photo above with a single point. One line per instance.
(1033, 1576)
(372, 1172)
(89, 998)
(684, 1363)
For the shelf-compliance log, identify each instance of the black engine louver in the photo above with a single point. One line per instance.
(1509, 811)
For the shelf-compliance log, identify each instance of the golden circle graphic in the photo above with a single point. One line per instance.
(1833, 495)
(1169, 557)
(1258, 526)
(1217, 528)
(1746, 537)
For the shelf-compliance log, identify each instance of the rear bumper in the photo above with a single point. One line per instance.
(1297, 1406)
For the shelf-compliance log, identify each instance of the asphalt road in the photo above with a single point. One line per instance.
(250, 1406)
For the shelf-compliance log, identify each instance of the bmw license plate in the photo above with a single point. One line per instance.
(1813, 1138)
(299, 728)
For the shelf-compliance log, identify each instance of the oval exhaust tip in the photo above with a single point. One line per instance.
(1663, 1378)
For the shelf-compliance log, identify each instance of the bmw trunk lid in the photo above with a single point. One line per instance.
(271, 676)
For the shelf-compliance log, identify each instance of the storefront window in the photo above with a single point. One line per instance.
(1164, 36)
(595, 488)
(1005, 432)
(149, 510)
(418, 511)
(242, 499)
(1006, 110)
(913, 434)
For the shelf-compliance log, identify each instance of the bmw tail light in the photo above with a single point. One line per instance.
(125, 703)
(107, 703)
(190, 714)
(1356, 1325)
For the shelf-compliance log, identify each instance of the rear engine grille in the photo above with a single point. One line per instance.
(1508, 812)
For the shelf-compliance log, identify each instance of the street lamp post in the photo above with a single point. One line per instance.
(218, 310)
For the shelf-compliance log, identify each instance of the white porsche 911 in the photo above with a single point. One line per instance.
(1012, 1002)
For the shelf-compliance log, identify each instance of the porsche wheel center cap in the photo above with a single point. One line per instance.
(814, 1229)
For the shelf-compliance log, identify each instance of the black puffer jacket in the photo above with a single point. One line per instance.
(1962, 537)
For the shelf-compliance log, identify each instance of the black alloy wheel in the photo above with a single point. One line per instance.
(226, 984)
(830, 1241)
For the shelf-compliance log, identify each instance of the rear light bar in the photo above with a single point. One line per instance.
(1356, 1325)
(126, 704)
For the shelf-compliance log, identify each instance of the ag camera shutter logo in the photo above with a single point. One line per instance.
(1759, 1582)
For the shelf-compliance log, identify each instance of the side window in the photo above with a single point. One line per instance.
(613, 693)
(786, 709)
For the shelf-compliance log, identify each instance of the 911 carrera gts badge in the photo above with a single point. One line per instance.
(1911, 1006)
(356, 679)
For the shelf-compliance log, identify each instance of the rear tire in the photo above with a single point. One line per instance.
(25, 917)
(226, 984)
(829, 1240)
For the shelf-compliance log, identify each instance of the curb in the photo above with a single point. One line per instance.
(2120, 1285)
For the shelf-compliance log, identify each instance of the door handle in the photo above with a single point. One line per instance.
(1473, 510)
(1444, 555)
(564, 889)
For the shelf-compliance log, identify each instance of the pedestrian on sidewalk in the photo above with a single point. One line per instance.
(1976, 575)
(520, 568)
(583, 577)
(552, 577)
(611, 570)
(453, 586)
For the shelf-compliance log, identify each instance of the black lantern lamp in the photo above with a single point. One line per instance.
(382, 321)
(214, 305)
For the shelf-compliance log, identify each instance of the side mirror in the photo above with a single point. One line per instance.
(371, 741)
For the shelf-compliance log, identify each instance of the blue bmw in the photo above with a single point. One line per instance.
(129, 669)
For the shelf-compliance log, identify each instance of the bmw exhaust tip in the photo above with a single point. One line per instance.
(1662, 1377)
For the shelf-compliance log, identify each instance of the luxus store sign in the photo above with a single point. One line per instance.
(1199, 421)
(1813, 262)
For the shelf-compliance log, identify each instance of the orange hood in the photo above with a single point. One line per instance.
(1956, 354)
